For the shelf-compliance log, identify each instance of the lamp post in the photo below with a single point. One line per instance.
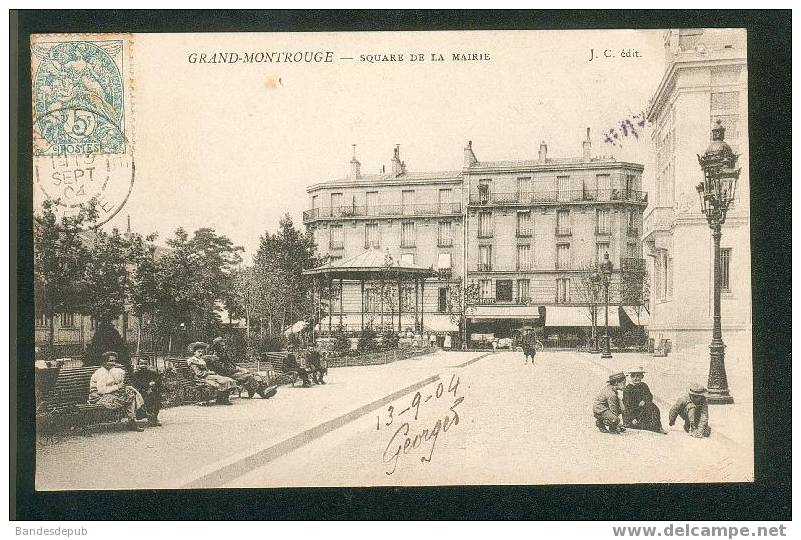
(606, 272)
(595, 284)
(716, 193)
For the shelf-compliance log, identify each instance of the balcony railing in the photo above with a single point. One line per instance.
(565, 196)
(383, 210)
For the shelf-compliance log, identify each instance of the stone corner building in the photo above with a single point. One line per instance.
(705, 80)
(523, 233)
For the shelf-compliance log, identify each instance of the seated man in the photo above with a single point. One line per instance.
(693, 409)
(107, 389)
(291, 366)
(148, 382)
(224, 365)
(316, 364)
(606, 407)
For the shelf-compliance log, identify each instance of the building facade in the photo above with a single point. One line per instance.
(705, 81)
(523, 235)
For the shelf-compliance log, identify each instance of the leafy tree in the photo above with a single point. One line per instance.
(460, 302)
(60, 257)
(143, 278)
(106, 277)
(106, 338)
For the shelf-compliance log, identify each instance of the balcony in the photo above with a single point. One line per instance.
(558, 197)
(659, 219)
(382, 210)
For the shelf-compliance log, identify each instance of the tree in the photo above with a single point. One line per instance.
(192, 279)
(60, 257)
(106, 277)
(588, 292)
(245, 296)
(460, 301)
(106, 338)
(144, 285)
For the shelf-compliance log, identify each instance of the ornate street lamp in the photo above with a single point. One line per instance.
(595, 285)
(716, 194)
(606, 272)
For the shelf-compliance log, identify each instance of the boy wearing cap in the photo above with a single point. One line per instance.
(606, 407)
(639, 409)
(693, 409)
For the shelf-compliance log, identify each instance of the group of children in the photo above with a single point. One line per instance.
(637, 409)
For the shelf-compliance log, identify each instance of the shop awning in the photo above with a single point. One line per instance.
(578, 316)
(644, 318)
(439, 323)
(504, 312)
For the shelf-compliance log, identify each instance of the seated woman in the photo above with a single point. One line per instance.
(222, 385)
(639, 409)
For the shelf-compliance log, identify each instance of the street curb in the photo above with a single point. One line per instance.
(223, 472)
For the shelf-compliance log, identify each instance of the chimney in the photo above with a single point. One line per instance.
(586, 147)
(469, 156)
(355, 166)
(543, 152)
(398, 167)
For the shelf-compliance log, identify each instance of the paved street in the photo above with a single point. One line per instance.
(503, 423)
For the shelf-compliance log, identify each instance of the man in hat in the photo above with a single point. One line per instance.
(147, 381)
(225, 365)
(693, 409)
(606, 407)
(529, 345)
(107, 389)
(639, 409)
(316, 364)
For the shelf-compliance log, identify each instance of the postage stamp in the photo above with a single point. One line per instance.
(82, 124)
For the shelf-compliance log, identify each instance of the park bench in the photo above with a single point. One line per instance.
(67, 405)
(275, 361)
(663, 349)
(189, 389)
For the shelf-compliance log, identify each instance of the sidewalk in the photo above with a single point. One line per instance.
(193, 439)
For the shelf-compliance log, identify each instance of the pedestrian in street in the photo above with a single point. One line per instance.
(639, 409)
(529, 346)
(432, 339)
(692, 407)
(221, 384)
(606, 407)
(109, 391)
(147, 380)
(447, 343)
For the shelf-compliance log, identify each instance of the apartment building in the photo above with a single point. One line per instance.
(524, 233)
(705, 81)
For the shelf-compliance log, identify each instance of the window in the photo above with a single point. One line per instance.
(524, 257)
(444, 200)
(371, 236)
(503, 290)
(523, 286)
(485, 258)
(601, 248)
(563, 222)
(725, 258)
(40, 320)
(629, 192)
(524, 223)
(524, 189)
(484, 191)
(562, 290)
(563, 256)
(68, 320)
(442, 300)
(632, 250)
(604, 187)
(563, 188)
(485, 224)
(632, 222)
(372, 300)
(371, 203)
(314, 202)
(444, 234)
(407, 202)
(92, 323)
(407, 235)
(407, 259)
(336, 202)
(336, 240)
(485, 288)
(444, 261)
(602, 222)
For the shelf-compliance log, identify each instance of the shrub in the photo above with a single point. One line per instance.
(368, 341)
(106, 338)
(341, 345)
(389, 340)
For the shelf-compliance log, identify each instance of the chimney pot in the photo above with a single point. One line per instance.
(586, 147)
(355, 166)
(543, 156)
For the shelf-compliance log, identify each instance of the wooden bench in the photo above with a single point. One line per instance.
(663, 349)
(67, 403)
(189, 389)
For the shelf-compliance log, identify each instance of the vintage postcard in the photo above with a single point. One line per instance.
(391, 258)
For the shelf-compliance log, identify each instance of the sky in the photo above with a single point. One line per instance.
(234, 146)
